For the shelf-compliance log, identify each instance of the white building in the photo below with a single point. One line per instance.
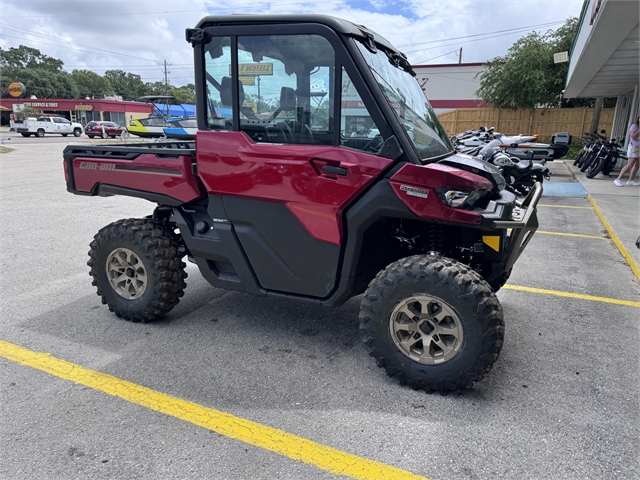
(605, 58)
(452, 85)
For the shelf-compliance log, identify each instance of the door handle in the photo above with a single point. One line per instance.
(335, 170)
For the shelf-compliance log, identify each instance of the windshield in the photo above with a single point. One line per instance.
(409, 104)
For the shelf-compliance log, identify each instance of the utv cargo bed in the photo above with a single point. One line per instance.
(162, 172)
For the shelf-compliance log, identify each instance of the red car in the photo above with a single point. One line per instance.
(103, 129)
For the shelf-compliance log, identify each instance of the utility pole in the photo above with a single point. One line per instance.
(166, 81)
(460, 56)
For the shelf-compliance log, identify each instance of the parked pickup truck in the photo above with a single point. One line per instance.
(279, 203)
(48, 124)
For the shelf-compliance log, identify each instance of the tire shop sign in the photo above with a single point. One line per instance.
(17, 90)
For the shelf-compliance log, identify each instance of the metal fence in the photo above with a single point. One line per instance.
(542, 121)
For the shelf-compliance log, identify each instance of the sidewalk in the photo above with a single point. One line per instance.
(619, 206)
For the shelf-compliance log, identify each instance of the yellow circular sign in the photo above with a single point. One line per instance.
(17, 89)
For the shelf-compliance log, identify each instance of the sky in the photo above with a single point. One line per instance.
(138, 36)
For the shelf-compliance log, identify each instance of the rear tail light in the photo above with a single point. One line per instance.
(66, 174)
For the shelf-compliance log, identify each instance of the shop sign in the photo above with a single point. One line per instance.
(252, 69)
(42, 104)
(247, 81)
(17, 90)
(252, 105)
(85, 108)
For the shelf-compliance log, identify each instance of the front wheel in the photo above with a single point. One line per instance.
(432, 323)
(595, 167)
(77, 132)
(137, 270)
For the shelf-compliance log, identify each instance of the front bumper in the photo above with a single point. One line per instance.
(520, 228)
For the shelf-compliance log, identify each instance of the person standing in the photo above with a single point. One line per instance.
(632, 155)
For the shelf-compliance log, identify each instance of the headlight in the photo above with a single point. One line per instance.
(458, 198)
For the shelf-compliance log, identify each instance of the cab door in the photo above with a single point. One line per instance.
(278, 155)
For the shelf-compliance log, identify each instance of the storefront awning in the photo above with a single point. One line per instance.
(605, 59)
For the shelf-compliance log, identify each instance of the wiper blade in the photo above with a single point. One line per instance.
(399, 60)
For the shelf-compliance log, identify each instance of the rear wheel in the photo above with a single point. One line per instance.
(40, 133)
(136, 268)
(432, 323)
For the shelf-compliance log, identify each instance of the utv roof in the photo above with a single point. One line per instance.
(338, 24)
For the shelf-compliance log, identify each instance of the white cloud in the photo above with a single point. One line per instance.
(138, 36)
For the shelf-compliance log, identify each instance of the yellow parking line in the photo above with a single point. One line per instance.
(272, 439)
(571, 235)
(562, 206)
(580, 296)
(632, 263)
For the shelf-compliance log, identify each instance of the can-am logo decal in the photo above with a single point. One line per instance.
(416, 192)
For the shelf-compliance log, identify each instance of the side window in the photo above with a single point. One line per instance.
(357, 129)
(218, 81)
(285, 88)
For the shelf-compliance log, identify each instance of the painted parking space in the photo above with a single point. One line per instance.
(569, 252)
(230, 426)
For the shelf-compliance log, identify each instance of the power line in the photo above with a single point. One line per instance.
(481, 34)
(468, 41)
(444, 54)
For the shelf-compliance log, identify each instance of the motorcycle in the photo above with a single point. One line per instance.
(521, 146)
(520, 175)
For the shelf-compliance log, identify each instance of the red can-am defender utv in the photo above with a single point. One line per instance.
(277, 197)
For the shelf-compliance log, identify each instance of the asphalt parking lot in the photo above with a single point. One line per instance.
(232, 386)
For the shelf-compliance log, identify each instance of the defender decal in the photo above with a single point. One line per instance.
(416, 192)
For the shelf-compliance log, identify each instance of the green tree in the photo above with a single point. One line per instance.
(40, 82)
(184, 94)
(156, 88)
(90, 84)
(527, 76)
(27, 57)
(128, 85)
(42, 75)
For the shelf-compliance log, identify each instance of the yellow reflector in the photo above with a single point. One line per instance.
(492, 241)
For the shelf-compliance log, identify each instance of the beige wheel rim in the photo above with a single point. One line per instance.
(126, 274)
(426, 329)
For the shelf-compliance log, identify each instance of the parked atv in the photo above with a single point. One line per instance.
(283, 203)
